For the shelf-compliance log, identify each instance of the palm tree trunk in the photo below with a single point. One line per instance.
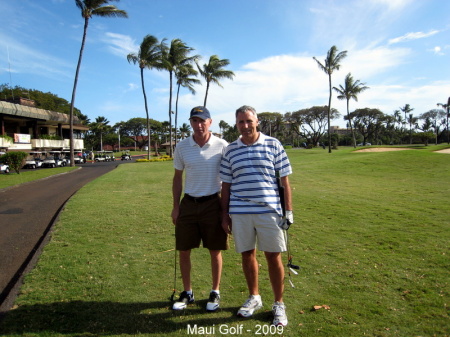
(176, 113)
(329, 112)
(351, 126)
(72, 103)
(170, 116)
(146, 111)
(206, 94)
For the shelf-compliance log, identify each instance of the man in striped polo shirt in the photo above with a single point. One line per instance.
(248, 171)
(197, 217)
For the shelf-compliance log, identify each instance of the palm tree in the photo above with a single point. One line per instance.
(406, 110)
(149, 56)
(183, 74)
(332, 63)
(350, 90)
(412, 121)
(185, 130)
(88, 9)
(174, 57)
(447, 108)
(213, 72)
(100, 125)
(223, 126)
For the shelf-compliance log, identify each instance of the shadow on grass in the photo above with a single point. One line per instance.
(105, 318)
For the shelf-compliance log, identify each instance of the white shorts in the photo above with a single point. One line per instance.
(249, 229)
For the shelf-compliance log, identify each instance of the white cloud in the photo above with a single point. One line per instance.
(393, 5)
(119, 44)
(412, 36)
(290, 82)
(438, 50)
(132, 87)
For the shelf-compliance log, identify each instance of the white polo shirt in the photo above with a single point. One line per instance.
(251, 171)
(200, 164)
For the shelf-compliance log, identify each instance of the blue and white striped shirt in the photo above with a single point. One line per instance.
(251, 171)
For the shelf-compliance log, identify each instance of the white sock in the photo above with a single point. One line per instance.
(216, 291)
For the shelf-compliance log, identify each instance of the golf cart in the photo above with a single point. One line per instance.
(78, 157)
(110, 156)
(126, 156)
(66, 156)
(33, 160)
(54, 159)
(100, 156)
(3, 167)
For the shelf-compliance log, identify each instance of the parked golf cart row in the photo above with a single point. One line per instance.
(109, 156)
(39, 159)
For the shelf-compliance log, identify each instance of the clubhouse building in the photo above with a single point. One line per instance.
(23, 127)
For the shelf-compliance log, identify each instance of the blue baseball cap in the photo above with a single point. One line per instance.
(201, 112)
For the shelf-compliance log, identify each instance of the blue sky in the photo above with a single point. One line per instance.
(399, 48)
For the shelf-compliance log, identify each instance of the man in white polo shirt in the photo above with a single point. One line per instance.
(197, 216)
(250, 197)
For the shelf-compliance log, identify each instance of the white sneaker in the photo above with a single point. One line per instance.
(183, 301)
(279, 314)
(213, 302)
(253, 303)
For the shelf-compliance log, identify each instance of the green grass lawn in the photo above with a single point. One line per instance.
(371, 235)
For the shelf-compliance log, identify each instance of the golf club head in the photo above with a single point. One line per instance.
(292, 284)
(293, 266)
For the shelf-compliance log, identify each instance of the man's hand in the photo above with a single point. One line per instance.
(175, 214)
(226, 223)
(290, 217)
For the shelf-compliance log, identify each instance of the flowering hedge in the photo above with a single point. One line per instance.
(163, 158)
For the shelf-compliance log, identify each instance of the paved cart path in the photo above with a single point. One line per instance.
(27, 213)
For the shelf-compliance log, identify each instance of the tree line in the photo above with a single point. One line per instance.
(310, 127)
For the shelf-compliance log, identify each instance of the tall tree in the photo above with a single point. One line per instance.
(270, 123)
(223, 126)
(185, 130)
(89, 8)
(367, 122)
(148, 56)
(184, 79)
(350, 90)
(99, 127)
(447, 108)
(213, 71)
(412, 121)
(331, 63)
(173, 57)
(311, 122)
(437, 118)
(406, 110)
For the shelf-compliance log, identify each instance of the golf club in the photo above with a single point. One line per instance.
(174, 275)
(285, 224)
